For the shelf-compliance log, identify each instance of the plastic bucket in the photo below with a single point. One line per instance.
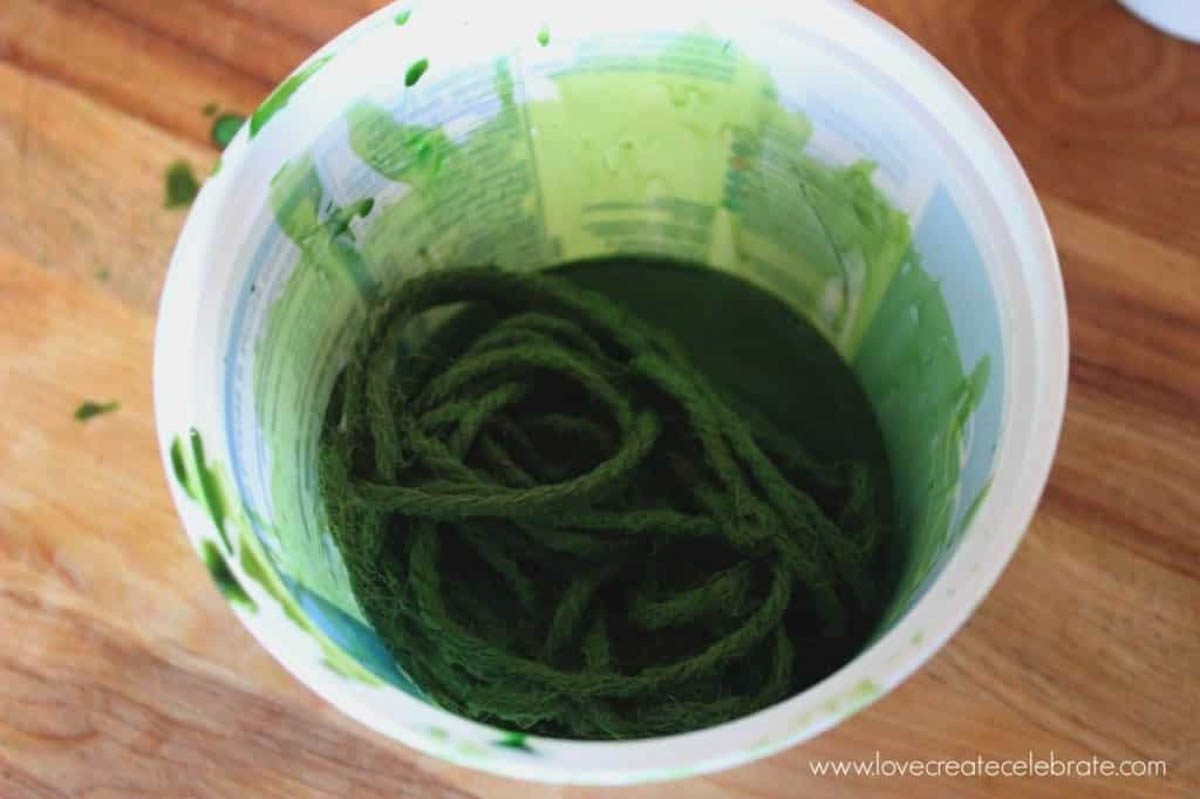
(524, 136)
(1170, 16)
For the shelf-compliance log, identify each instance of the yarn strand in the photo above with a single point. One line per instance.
(556, 523)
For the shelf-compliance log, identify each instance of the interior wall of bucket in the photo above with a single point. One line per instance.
(679, 146)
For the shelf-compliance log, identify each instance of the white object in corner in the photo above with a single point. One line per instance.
(1178, 17)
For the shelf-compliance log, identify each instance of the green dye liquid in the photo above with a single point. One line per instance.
(766, 359)
(752, 346)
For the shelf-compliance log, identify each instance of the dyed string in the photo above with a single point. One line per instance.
(556, 524)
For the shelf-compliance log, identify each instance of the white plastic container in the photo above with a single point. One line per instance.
(651, 115)
(1177, 17)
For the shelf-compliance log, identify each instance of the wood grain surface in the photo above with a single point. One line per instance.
(122, 672)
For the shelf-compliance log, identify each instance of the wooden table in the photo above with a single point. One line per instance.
(122, 672)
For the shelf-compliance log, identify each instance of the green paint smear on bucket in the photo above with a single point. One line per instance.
(515, 740)
(211, 489)
(911, 368)
(415, 71)
(321, 229)
(224, 578)
(715, 172)
(205, 483)
(180, 468)
(279, 98)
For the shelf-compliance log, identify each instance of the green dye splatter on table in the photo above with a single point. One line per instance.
(180, 186)
(415, 71)
(403, 17)
(90, 410)
(225, 127)
(543, 37)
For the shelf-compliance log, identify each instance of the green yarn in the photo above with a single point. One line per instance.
(556, 523)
